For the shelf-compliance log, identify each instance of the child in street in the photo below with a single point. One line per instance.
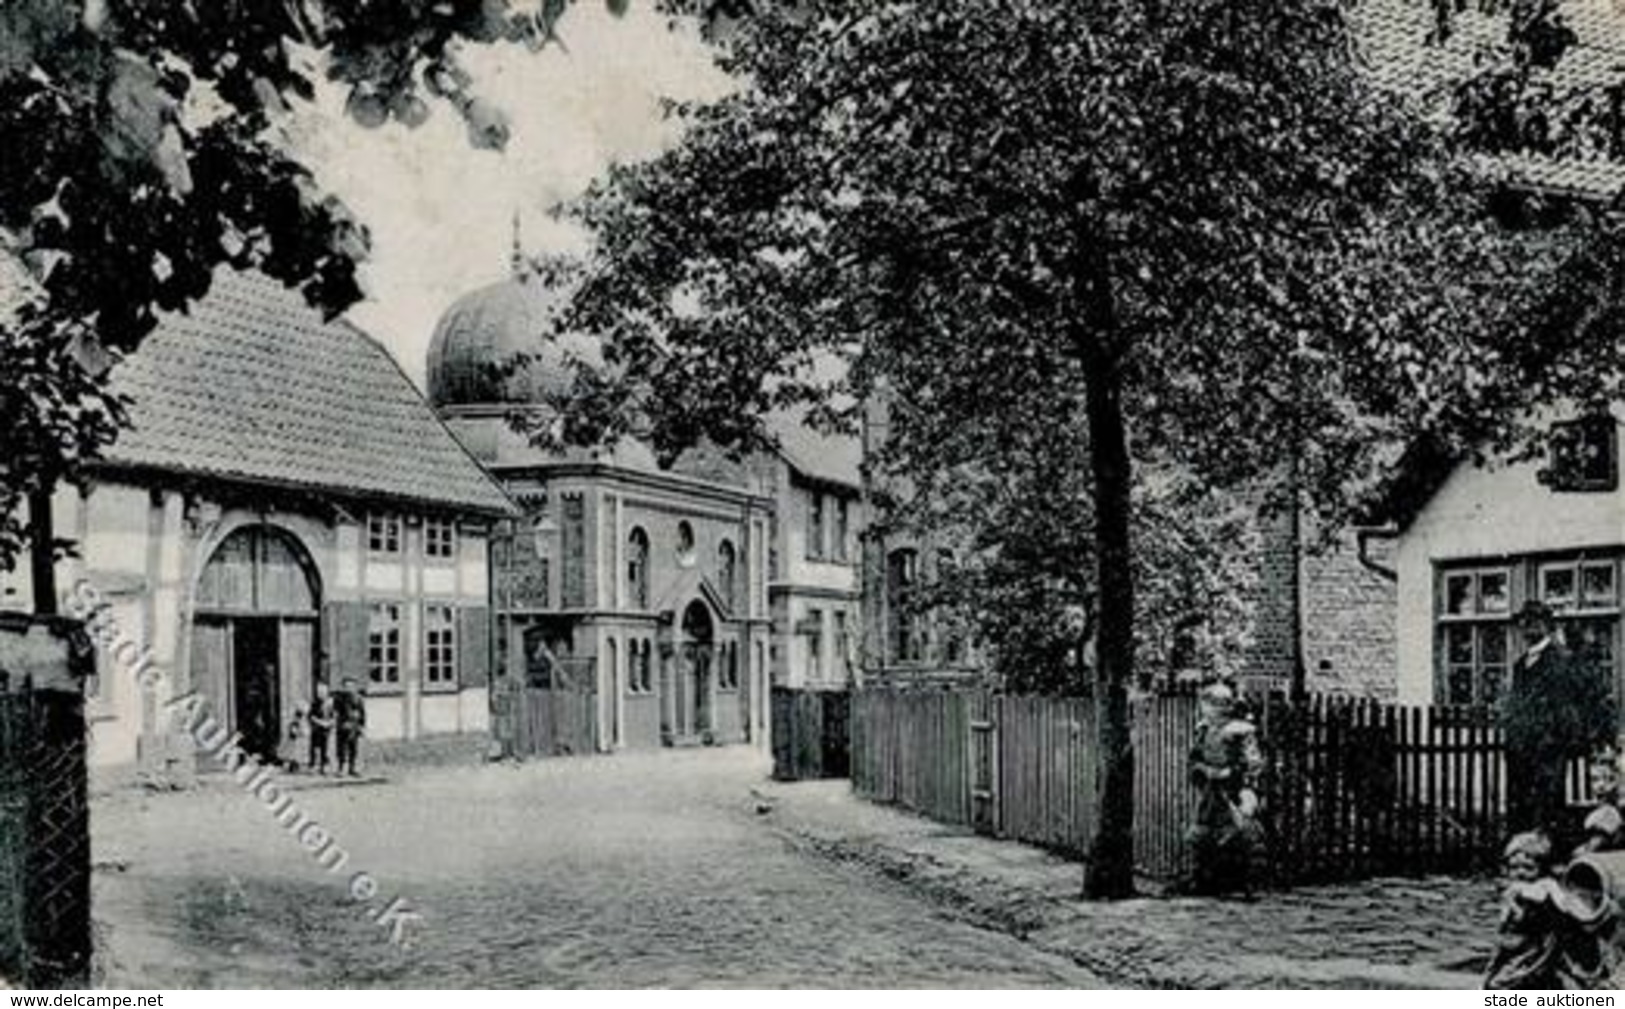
(350, 718)
(293, 740)
(321, 726)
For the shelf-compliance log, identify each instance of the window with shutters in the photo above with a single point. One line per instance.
(439, 646)
(384, 644)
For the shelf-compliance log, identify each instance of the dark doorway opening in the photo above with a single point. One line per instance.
(256, 704)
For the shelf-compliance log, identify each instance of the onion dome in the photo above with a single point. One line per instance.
(495, 347)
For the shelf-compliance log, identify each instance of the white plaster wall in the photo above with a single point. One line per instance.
(386, 716)
(440, 582)
(1487, 513)
(474, 710)
(386, 577)
(440, 713)
(116, 536)
(115, 713)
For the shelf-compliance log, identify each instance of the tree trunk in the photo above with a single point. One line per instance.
(1100, 344)
(1109, 873)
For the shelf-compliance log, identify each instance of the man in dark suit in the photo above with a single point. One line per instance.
(1559, 707)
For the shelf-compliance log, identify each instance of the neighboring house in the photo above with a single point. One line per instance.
(1475, 543)
(813, 571)
(283, 508)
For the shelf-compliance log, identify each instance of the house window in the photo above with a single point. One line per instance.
(842, 531)
(1584, 454)
(815, 526)
(685, 544)
(573, 537)
(726, 574)
(1475, 636)
(1584, 596)
(637, 570)
(904, 636)
(383, 533)
(384, 644)
(439, 646)
(439, 539)
(813, 633)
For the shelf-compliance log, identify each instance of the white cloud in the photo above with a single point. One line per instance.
(440, 211)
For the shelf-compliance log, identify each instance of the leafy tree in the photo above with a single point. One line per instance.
(138, 160)
(1196, 213)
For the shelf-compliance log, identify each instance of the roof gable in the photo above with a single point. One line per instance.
(253, 385)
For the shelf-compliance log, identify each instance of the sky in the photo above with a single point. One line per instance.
(441, 212)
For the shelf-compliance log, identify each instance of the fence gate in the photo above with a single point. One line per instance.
(984, 754)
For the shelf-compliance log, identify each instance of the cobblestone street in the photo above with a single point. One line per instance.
(628, 871)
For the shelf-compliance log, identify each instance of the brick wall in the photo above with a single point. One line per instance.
(1349, 615)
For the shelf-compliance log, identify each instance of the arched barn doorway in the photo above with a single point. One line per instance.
(256, 618)
(694, 688)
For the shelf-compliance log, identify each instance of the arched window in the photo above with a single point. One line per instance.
(685, 543)
(902, 577)
(726, 563)
(637, 570)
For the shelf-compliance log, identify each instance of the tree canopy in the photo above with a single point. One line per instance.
(1168, 234)
(139, 158)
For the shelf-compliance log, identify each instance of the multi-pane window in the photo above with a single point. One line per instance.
(384, 644)
(383, 533)
(813, 634)
(905, 636)
(439, 645)
(1475, 626)
(815, 526)
(1584, 595)
(1585, 454)
(439, 538)
(1477, 639)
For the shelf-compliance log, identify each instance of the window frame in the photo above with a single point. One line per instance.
(384, 534)
(1527, 577)
(449, 648)
(384, 646)
(448, 542)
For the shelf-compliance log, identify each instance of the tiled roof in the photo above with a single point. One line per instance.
(1395, 43)
(834, 458)
(253, 385)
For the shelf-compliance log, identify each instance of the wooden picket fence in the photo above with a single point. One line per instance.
(1352, 789)
(809, 733)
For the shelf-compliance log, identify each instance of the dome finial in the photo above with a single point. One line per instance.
(516, 258)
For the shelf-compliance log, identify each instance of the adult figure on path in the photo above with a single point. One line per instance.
(1559, 707)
